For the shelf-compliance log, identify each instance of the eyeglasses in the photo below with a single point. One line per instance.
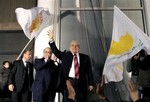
(47, 52)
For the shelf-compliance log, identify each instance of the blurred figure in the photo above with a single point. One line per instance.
(133, 67)
(21, 78)
(4, 74)
(144, 73)
(100, 91)
(44, 86)
(71, 91)
(134, 93)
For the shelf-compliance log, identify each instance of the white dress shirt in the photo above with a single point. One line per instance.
(24, 62)
(72, 71)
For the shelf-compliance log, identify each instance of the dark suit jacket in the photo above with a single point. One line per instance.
(46, 73)
(85, 71)
(17, 75)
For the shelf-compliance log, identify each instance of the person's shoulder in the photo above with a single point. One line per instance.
(30, 63)
(84, 55)
(66, 52)
(17, 61)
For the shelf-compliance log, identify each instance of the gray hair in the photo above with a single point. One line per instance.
(74, 41)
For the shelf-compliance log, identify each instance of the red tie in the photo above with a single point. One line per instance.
(76, 67)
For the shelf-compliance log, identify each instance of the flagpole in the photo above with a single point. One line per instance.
(24, 49)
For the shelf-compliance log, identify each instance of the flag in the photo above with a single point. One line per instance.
(33, 20)
(127, 40)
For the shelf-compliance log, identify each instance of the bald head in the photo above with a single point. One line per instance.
(47, 53)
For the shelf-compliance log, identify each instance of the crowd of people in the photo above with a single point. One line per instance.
(71, 76)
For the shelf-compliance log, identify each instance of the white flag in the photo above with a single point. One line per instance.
(33, 20)
(127, 40)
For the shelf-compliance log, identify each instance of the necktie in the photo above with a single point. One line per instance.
(76, 67)
(27, 74)
(26, 65)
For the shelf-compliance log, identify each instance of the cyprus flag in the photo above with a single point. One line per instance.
(127, 40)
(33, 20)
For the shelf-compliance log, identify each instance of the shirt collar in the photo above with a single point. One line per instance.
(76, 54)
(24, 60)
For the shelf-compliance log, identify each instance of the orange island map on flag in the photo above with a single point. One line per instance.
(36, 23)
(33, 20)
(127, 40)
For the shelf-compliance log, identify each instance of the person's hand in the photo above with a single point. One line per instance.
(47, 57)
(91, 88)
(100, 86)
(54, 58)
(133, 91)
(11, 87)
(50, 34)
(71, 90)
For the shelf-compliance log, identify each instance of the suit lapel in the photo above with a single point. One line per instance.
(80, 59)
(70, 59)
(22, 64)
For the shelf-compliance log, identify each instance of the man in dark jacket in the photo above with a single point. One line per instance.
(76, 67)
(21, 78)
(44, 86)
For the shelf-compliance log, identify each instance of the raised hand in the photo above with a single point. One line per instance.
(133, 91)
(100, 88)
(50, 34)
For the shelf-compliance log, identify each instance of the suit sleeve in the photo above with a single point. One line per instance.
(55, 50)
(39, 64)
(12, 74)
